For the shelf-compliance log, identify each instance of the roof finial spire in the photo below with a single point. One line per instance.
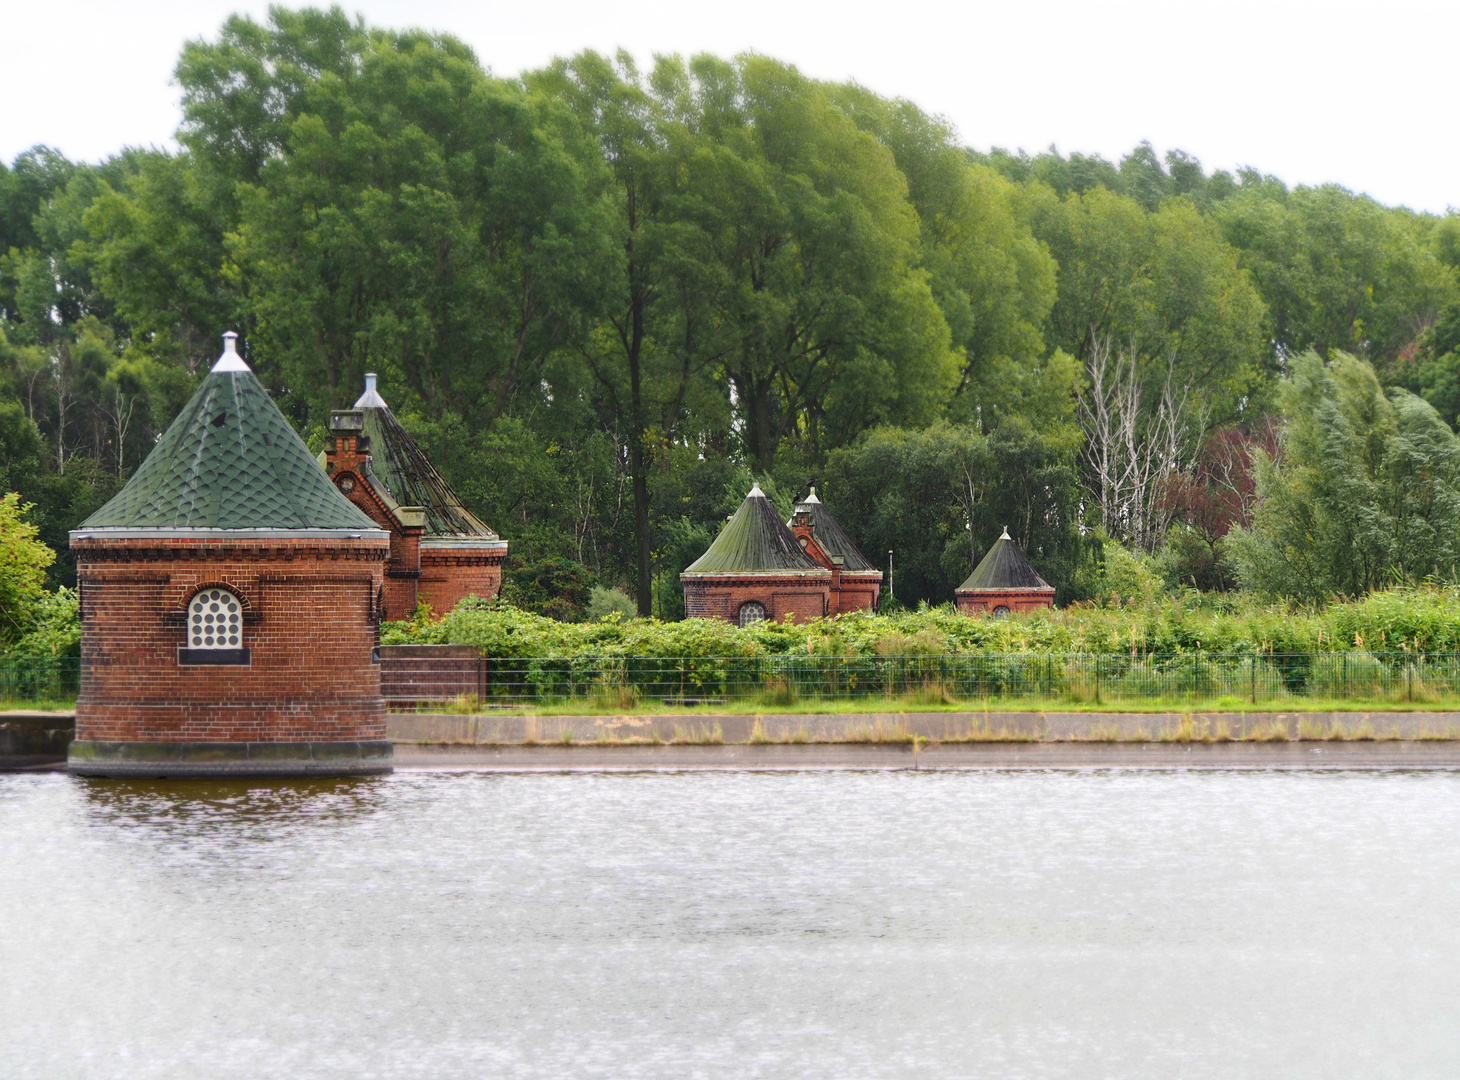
(1006, 535)
(370, 399)
(230, 360)
(755, 491)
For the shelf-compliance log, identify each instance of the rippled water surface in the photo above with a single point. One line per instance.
(1122, 924)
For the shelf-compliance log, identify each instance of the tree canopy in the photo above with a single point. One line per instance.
(606, 297)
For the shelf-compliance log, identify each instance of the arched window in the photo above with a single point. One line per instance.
(215, 620)
(751, 612)
(1001, 612)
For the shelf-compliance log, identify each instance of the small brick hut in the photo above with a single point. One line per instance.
(440, 552)
(1004, 583)
(756, 570)
(855, 583)
(230, 605)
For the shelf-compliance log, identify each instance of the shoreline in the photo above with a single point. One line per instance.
(944, 757)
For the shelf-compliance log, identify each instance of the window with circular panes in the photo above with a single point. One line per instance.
(752, 612)
(215, 620)
(1001, 612)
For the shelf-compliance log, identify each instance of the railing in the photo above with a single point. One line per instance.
(51, 681)
(1067, 677)
(619, 682)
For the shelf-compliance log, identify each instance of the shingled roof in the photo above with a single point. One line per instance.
(399, 463)
(830, 537)
(755, 541)
(1004, 567)
(229, 461)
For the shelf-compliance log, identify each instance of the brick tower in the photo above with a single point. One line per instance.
(440, 552)
(230, 601)
(756, 570)
(1004, 583)
(855, 583)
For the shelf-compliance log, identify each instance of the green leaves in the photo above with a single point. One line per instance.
(1366, 490)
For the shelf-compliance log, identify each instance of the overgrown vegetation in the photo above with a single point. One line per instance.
(1419, 620)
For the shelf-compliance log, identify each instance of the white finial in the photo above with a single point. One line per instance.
(812, 497)
(370, 399)
(755, 491)
(1006, 535)
(230, 360)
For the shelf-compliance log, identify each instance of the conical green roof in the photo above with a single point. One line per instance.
(830, 537)
(230, 461)
(399, 463)
(1004, 567)
(755, 540)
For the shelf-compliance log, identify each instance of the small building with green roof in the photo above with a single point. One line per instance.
(1004, 583)
(230, 603)
(755, 570)
(856, 584)
(440, 552)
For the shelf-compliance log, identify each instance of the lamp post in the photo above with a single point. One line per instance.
(889, 573)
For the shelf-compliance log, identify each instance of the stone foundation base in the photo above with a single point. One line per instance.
(223, 759)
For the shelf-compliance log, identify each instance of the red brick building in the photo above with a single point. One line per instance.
(756, 570)
(856, 584)
(230, 605)
(440, 552)
(1004, 583)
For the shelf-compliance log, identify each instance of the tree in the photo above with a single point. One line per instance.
(940, 497)
(23, 562)
(1364, 492)
(1336, 270)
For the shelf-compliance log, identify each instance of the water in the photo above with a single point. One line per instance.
(1118, 924)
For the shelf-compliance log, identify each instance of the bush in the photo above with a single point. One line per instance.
(1420, 620)
(603, 603)
(557, 588)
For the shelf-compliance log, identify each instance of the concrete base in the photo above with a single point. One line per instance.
(221, 759)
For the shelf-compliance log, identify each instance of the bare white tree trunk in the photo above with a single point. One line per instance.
(1132, 450)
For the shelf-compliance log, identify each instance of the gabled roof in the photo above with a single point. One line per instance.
(399, 463)
(229, 461)
(830, 537)
(1004, 567)
(755, 540)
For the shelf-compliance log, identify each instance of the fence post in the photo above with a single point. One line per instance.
(1097, 678)
(1254, 677)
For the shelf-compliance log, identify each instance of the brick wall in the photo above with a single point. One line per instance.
(310, 623)
(450, 574)
(1016, 600)
(803, 596)
(859, 592)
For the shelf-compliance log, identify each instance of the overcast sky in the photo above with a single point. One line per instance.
(1361, 94)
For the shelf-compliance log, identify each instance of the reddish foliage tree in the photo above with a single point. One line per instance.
(1216, 496)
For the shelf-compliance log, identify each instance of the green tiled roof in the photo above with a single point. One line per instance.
(1004, 567)
(398, 462)
(830, 537)
(230, 461)
(755, 540)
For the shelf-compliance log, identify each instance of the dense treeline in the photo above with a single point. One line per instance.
(606, 297)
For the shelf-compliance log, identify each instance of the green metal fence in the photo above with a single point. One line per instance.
(39, 680)
(1068, 677)
(1258, 678)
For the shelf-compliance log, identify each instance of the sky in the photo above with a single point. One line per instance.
(1359, 94)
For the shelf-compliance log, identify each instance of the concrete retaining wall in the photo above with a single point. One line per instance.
(507, 729)
(34, 738)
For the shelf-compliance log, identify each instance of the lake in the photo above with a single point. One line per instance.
(983, 924)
